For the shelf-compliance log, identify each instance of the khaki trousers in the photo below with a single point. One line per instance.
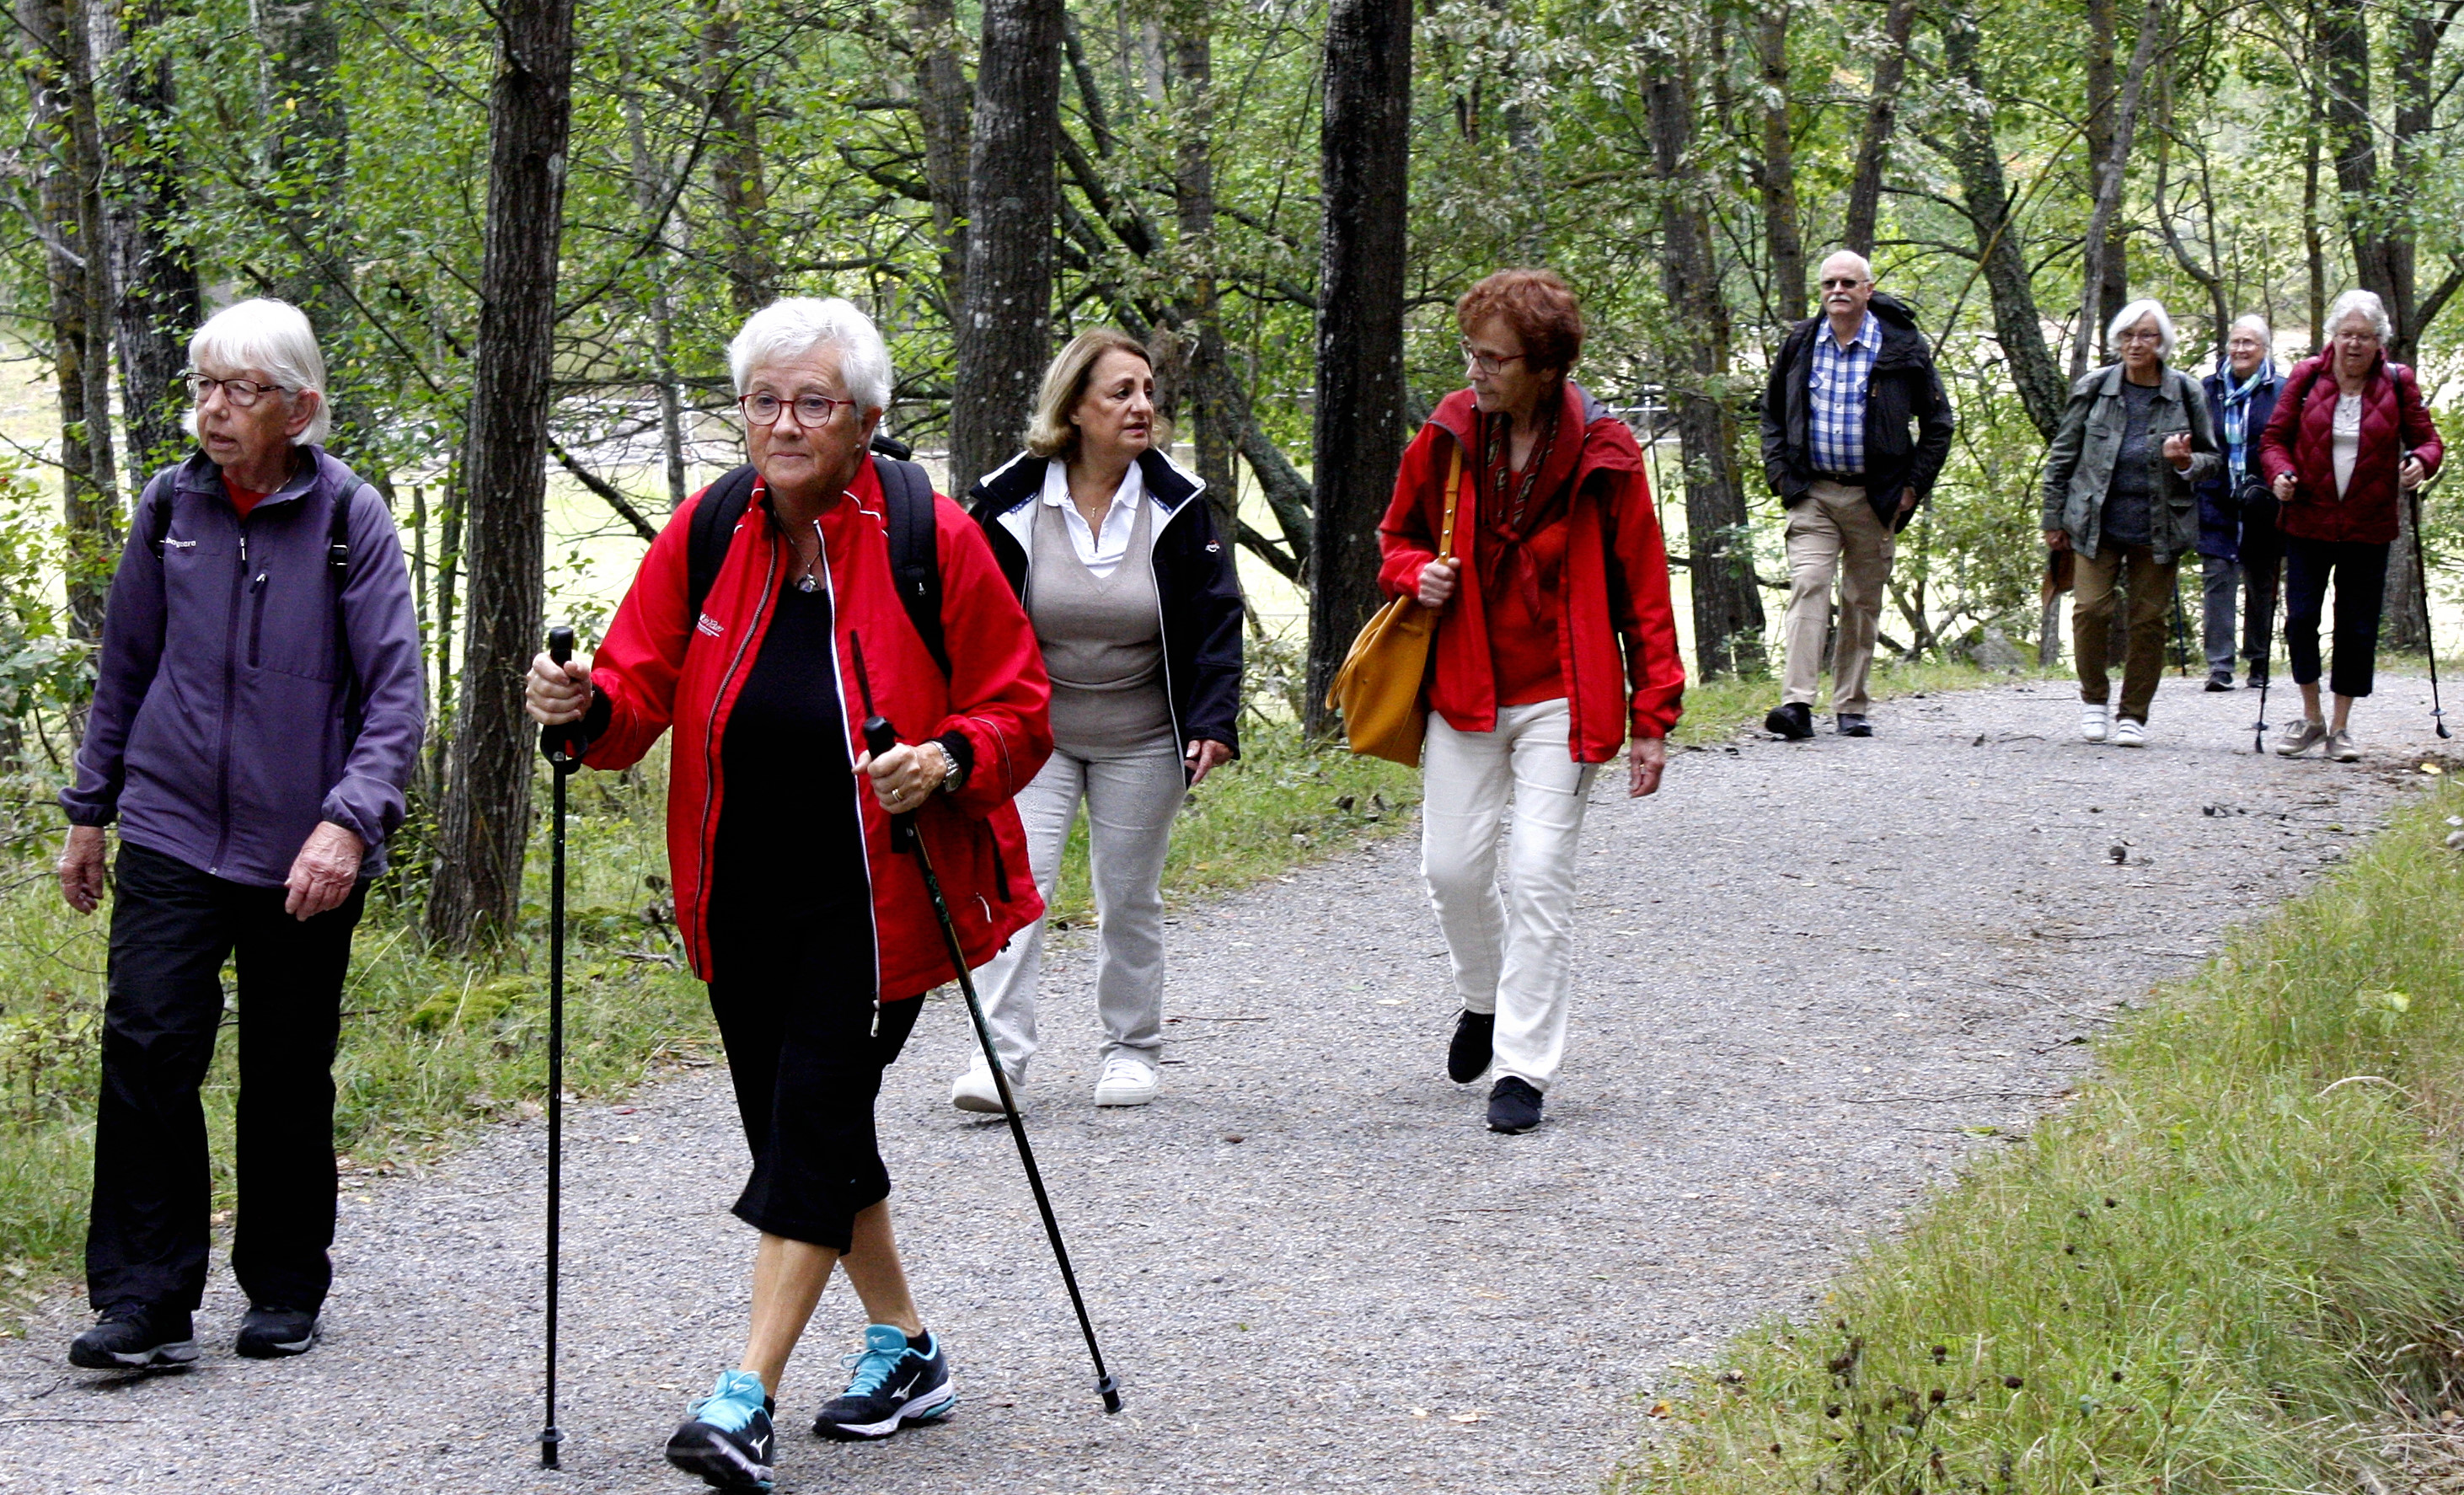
(2151, 594)
(1835, 530)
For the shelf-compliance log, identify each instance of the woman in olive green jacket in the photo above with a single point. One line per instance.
(2119, 482)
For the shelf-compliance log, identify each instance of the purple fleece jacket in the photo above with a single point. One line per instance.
(229, 713)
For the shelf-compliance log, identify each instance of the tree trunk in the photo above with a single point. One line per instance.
(1211, 433)
(1727, 610)
(2107, 268)
(1005, 335)
(1364, 173)
(477, 873)
(651, 190)
(2017, 324)
(942, 99)
(1882, 119)
(2107, 290)
(307, 144)
(736, 160)
(155, 302)
(2314, 238)
(1783, 234)
(62, 165)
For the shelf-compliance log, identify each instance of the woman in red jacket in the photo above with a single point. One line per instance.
(816, 938)
(2350, 433)
(1557, 644)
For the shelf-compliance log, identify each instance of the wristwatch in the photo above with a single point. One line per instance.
(953, 778)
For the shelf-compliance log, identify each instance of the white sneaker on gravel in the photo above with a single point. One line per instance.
(974, 1090)
(2342, 748)
(2129, 733)
(2299, 737)
(1126, 1082)
(2093, 724)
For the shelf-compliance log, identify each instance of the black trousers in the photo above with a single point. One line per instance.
(171, 928)
(2360, 573)
(2262, 556)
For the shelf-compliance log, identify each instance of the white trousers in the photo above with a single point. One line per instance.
(1513, 953)
(1132, 793)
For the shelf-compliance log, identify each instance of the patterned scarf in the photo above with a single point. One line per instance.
(1514, 516)
(2237, 420)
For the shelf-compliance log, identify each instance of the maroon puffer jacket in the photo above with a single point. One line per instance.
(2300, 439)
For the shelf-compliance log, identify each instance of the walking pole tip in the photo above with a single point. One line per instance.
(1111, 1393)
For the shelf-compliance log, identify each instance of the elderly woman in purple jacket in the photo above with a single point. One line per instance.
(256, 713)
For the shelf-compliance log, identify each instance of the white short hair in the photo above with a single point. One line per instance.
(795, 325)
(275, 339)
(2255, 323)
(2129, 317)
(1864, 266)
(2368, 304)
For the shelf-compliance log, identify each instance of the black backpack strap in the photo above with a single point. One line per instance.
(157, 520)
(337, 569)
(914, 549)
(714, 526)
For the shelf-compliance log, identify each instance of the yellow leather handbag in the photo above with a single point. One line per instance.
(1384, 688)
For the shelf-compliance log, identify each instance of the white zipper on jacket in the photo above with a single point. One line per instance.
(711, 739)
(837, 683)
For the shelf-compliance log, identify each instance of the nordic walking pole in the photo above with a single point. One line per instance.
(2181, 629)
(879, 738)
(2421, 578)
(555, 742)
(2267, 654)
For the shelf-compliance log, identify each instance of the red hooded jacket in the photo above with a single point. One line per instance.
(660, 668)
(2300, 439)
(1615, 580)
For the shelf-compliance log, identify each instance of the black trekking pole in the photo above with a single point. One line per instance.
(879, 738)
(2267, 653)
(2181, 629)
(557, 743)
(2421, 579)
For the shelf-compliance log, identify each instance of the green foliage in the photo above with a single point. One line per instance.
(2226, 1254)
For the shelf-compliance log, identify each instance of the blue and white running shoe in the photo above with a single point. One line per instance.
(896, 1380)
(726, 1435)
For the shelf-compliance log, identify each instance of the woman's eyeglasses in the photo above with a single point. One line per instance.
(812, 410)
(1490, 362)
(241, 393)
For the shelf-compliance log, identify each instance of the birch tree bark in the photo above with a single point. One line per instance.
(1364, 159)
(476, 885)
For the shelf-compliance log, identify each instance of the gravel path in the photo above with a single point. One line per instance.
(1805, 972)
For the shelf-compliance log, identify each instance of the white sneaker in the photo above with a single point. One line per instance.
(2093, 721)
(2342, 748)
(1126, 1082)
(2129, 732)
(2299, 737)
(974, 1090)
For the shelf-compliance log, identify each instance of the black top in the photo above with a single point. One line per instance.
(2128, 497)
(788, 862)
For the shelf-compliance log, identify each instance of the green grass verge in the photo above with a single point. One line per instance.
(2228, 1253)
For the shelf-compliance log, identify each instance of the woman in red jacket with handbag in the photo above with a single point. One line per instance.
(2349, 434)
(1556, 646)
(816, 938)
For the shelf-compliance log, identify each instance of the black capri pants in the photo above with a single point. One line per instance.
(2360, 573)
(797, 1021)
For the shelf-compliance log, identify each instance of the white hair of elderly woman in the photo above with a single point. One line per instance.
(2131, 315)
(795, 325)
(2367, 304)
(274, 338)
(2255, 323)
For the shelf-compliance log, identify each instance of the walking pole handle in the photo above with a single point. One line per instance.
(557, 742)
(879, 738)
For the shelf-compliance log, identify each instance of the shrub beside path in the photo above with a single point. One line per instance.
(1812, 977)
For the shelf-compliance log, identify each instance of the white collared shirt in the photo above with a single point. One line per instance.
(1098, 551)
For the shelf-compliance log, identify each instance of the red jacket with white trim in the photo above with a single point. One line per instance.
(659, 668)
(1617, 634)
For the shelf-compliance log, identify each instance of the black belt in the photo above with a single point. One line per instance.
(1843, 480)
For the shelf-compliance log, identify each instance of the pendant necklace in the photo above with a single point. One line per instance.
(809, 583)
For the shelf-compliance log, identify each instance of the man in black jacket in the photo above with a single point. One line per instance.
(1837, 449)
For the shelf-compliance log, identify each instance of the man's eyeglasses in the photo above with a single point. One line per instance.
(1490, 362)
(1842, 285)
(241, 393)
(812, 410)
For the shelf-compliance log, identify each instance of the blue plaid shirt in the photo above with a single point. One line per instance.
(1836, 396)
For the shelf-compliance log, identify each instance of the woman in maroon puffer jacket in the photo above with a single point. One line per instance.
(2348, 436)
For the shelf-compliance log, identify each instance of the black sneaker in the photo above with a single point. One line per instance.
(896, 1380)
(133, 1337)
(726, 1435)
(2257, 682)
(1514, 1106)
(1793, 720)
(2221, 680)
(1853, 725)
(1474, 1045)
(271, 1333)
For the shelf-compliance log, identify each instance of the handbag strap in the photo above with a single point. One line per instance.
(1454, 488)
